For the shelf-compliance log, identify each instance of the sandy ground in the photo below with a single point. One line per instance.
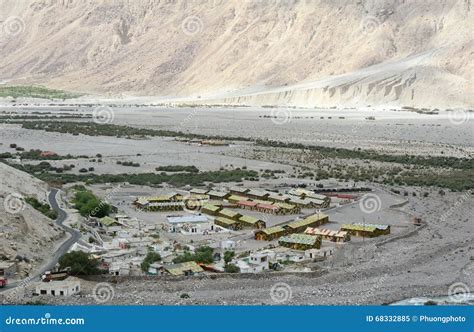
(23, 230)
(447, 133)
(425, 262)
(411, 262)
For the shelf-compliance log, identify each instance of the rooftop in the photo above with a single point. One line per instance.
(273, 230)
(247, 203)
(181, 268)
(217, 193)
(299, 239)
(325, 232)
(198, 191)
(108, 221)
(306, 221)
(237, 198)
(284, 206)
(211, 207)
(268, 206)
(249, 219)
(229, 213)
(226, 221)
(187, 219)
(378, 226)
(239, 189)
(257, 193)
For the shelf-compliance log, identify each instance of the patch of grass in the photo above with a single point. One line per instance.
(326, 152)
(35, 92)
(119, 131)
(43, 208)
(89, 205)
(43, 169)
(178, 168)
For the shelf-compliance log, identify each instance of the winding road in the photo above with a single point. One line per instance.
(75, 236)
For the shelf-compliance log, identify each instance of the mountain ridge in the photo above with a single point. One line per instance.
(241, 52)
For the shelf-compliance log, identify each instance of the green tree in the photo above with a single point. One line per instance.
(79, 262)
(228, 256)
(150, 258)
(231, 268)
(203, 254)
(88, 204)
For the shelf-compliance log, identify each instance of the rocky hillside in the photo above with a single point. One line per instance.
(24, 232)
(290, 52)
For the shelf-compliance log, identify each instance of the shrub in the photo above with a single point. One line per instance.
(79, 262)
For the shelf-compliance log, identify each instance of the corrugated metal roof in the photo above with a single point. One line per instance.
(107, 221)
(211, 207)
(325, 232)
(228, 213)
(237, 198)
(247, 203)
(299, 239)
(308, 220)
(257, 193)
(377, 226)
(272, 230)
(239, 189)
(249, 219)
(268, 206)
(285, 206)
(217, 193)
(198, 191)
(187, 219)
(226, 221)
(181, 268)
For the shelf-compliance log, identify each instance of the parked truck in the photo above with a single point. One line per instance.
(54, 276)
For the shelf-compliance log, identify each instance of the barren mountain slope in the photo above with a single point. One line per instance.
(317, 52)
(24, 231)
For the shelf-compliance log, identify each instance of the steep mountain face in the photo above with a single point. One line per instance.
(306, 52)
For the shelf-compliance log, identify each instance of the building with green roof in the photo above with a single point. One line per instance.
(269, 234)
(300, 241)
(210, 209)
(108, 221)
(366, 230)
(183, 269)
(237, 198)
(228, 223)
(227, 213)
(314, 220)
(249, 221)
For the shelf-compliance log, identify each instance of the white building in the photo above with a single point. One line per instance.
(257, 262)
(156, 269)
(58, 288)
(187, 219)
(228, 244)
